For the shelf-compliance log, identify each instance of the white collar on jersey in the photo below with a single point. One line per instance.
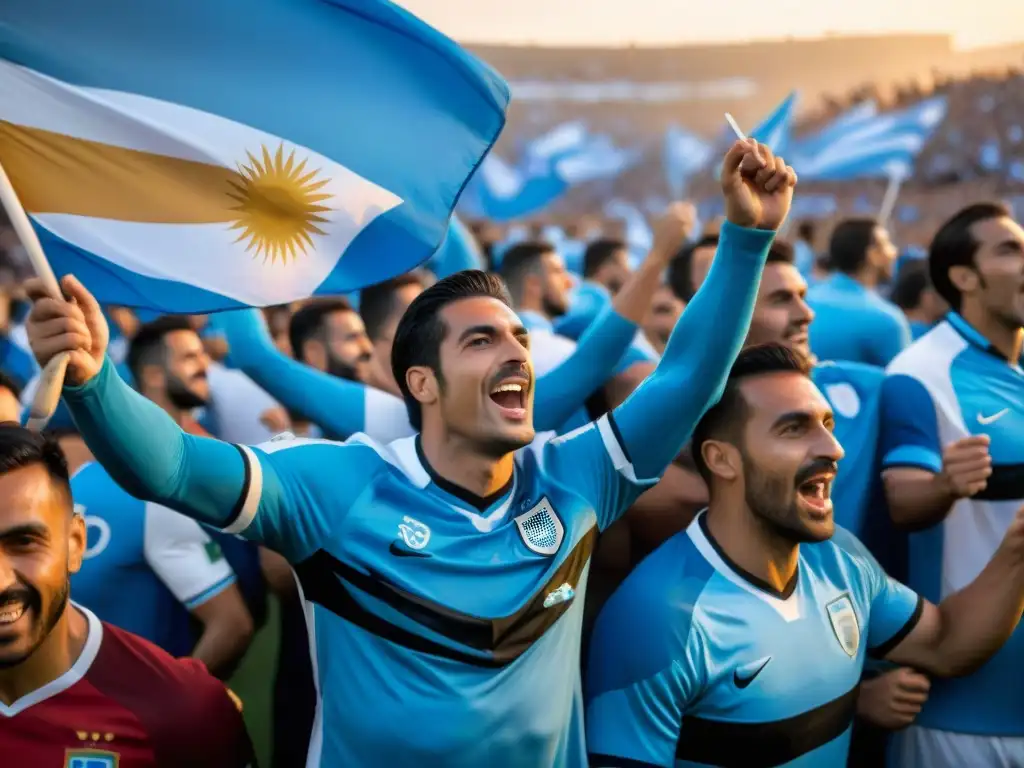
(403, 455)
(788, 608)
(75, 673)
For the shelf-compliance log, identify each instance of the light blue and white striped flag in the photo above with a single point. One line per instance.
(194, 155)
(884, 146)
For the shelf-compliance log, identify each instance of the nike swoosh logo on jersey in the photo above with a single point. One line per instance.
(399, 551)
(742, 681)
(994, 417)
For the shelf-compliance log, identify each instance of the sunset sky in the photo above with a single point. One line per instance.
(653, 22)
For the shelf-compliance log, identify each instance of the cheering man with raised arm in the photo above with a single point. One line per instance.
(445, 571)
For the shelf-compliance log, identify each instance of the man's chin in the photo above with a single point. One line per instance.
(16, 652)
(510, 439)
(817, 531)
(800, 346)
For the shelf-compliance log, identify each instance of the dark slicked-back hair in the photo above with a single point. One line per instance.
(731, 412)
(599, 253)
(955, 246)
(421, 330)
(520, 260)
(848, 246)
(680, 270)
(377, 303)
(309, 321)
(911, 283)
(20, 447)
(147, 346)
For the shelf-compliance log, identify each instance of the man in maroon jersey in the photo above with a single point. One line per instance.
(75, 692)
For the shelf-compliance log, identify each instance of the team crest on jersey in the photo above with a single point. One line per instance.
(414, 533)
(541, 529)
(91, 758)
(844, 623)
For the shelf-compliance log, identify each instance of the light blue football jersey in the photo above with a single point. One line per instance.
(855, 323)
(145, 566)
(951, 383)
(446, 628)
(459, 615)
(854, 391)
(695, 662)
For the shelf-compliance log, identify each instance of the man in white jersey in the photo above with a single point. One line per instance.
(952, 445)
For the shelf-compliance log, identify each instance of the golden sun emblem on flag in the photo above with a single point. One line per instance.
(278, 205)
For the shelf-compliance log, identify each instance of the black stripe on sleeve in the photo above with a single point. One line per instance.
(618, 436)
(883, 650)
(611, 761)
(246, 487)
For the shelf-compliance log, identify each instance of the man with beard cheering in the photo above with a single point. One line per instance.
(170, 571)
(444, 573)
(75, 691)
(741, 641)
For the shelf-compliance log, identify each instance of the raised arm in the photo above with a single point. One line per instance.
(565, 389)
(338, 406)
(655, 422)
(137, 442)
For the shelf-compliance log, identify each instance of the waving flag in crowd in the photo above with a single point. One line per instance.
(685, 155)
(852, 119)
(776, 128)
(881, 146)
(564, 157)
(190, 156)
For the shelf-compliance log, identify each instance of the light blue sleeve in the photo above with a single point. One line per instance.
(658, 418)
(565, 389)
(149, 455)
(647, 663)
(299, 491)
(909, 430)
(893, 608)
(591, 461)
(638, 725)
(338, 406)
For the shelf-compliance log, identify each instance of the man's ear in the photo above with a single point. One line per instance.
(76, 542)
(722, 459)
(422, 384)
(153, 378)
(965, 279)
(314, 354)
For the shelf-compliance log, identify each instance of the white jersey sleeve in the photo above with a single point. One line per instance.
(184, 557)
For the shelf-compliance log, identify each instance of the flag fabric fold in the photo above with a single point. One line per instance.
(195, 155)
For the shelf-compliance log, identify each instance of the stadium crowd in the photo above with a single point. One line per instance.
(977, 152)
(755, 500)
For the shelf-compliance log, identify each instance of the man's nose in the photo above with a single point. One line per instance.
(830, 447)
(806, 313)
(516, 351)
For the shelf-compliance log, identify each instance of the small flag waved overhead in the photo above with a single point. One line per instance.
(193, 155)
(775, 129)
(881, 146)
